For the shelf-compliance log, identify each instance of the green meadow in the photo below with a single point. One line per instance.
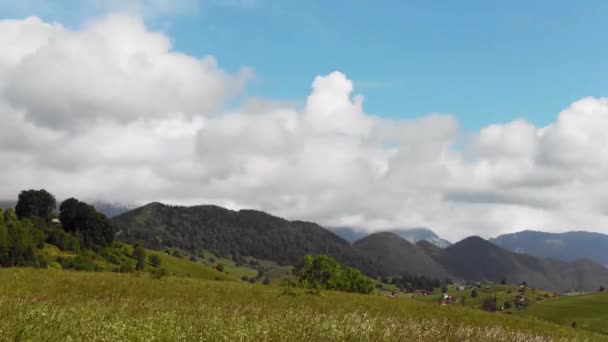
(586, 311)
(63, 305)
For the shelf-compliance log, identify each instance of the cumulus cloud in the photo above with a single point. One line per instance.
(112, 112)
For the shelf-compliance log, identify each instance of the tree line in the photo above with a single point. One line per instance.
(25, 229)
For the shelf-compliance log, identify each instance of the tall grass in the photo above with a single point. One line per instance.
(41, 305)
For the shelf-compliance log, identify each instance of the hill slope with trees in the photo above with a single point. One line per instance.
(397, 256)
(235, 234)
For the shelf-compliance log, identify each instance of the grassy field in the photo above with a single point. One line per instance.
(589, 311)
(58, 305)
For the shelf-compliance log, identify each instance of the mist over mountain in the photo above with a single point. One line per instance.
(6, 204)
(112, 209)
(566, 246)
(412, 235)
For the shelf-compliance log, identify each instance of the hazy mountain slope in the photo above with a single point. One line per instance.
(398, 256)
(111, 209)
(6, 204)
(477, 259)
(231, 233)
(413, 235)
(565, 246)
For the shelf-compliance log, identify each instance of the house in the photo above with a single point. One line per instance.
(446, 299)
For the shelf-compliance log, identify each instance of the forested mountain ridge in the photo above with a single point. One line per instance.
(477, 259)
(234, 234)
(397, 256)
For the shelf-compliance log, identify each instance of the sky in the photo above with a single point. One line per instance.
(469, 118)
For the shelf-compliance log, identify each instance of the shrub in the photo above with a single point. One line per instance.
(324, 272)
(474, 294)
(126, 267)
(266, 281)
(82, 262)
(154, 260)
(53, 265)
(159, 273)
(489, 304)
(245, 278)
(220, 267)
(507, 304)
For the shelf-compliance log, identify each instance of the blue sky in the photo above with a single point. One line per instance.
(485, 62)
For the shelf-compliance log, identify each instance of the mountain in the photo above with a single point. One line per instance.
(111, 209)
(413, 235)
(7, 204)
(397, 256)
(564, 246)
(235, 234)
(477, 259)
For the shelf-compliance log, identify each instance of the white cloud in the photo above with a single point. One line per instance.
(112, 112)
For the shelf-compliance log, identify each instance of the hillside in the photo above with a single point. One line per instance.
(567, 246)
(477, 259)
(589, 311)
(235, 234)
(413, 235)
(49, 305)
(398, 256)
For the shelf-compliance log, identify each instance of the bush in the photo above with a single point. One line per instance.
(82, 262)
(220, 267)
(266, 281)
(245, 278)
(489, 304)
(507, 304)
(324, 272)
(474, 294)
(154, 260)
(126, 267)
(159, 273)
(193, 258)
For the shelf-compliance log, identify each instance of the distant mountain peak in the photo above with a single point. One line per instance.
(567, 246)
(412, 235)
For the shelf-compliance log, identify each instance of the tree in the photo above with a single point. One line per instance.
(474, 294)
(602, 288)
(4, 241)
(94, 228)
(154, 260)
(139, 253)
(324, 272)
(35, 203)
(503, 281)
